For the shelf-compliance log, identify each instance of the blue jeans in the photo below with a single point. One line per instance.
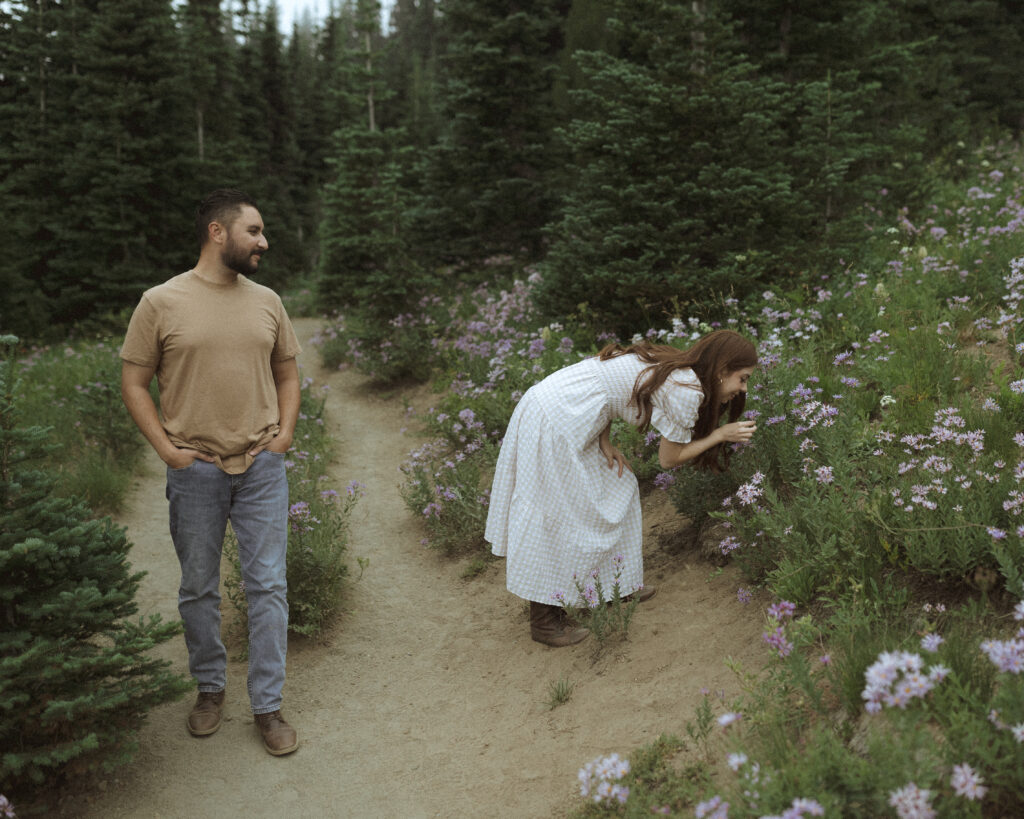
(202, 500)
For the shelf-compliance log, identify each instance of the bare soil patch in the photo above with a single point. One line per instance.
(428, 699)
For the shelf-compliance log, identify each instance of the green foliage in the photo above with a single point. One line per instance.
(607, 619)
(399, 349)
(411, 70)
(698, 173)
(559, 692)
(74, 389)
(662, 779)
(696, 494)
(449, 493)
(76, 675)
(487, 182)
(365, 260)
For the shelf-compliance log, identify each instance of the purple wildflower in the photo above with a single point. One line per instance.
(966, 782)
(777, 640)
(781, 610)
(663, 480)
(729, 718)
(713, 808)
(912, 802)
(728, 544)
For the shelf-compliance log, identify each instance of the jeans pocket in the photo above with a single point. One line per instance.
(184, 468)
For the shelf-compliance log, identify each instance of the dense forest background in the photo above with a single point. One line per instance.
(641, 153)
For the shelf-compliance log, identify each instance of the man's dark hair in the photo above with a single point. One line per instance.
(221, 205)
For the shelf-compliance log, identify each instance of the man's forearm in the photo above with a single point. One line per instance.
(141, 408)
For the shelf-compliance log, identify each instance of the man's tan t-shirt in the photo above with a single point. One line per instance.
(212, 346)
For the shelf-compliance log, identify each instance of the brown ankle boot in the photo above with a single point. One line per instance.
(205, 716)
(548, 625)
(279, 738)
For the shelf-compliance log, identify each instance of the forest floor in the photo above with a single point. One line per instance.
(427, 698)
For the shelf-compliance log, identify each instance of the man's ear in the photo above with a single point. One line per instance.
(216, 232)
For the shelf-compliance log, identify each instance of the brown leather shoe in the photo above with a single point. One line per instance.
(548, 625)
(205, 717)
(279, 738)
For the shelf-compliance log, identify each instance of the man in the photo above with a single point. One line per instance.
(223, 351)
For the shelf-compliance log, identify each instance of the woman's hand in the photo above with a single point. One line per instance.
(615, 456)
(738, 431)
(611, 452)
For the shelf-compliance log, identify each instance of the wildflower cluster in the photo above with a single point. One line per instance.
(799, 808)
(912, 802)
(778, 613)
(896, 678)
(607, 611)
(713, 808)
(890, 442)
(601, 780)
(967, 783)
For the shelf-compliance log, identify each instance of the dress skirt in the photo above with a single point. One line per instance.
(558, 514)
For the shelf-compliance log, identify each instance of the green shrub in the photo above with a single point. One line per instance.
(75, 391)
(76, 676)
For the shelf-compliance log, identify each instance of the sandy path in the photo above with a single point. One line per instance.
(428, 698)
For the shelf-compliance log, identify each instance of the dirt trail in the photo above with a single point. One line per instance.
(428, 699)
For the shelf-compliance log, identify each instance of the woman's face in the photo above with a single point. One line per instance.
(734, 383)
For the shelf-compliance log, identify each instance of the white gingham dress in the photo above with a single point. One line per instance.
(557, 510)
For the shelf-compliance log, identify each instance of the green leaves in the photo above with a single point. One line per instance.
(76, 680)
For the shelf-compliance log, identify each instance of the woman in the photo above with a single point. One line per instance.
(565, 503)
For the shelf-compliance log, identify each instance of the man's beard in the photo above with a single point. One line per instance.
(238, 260)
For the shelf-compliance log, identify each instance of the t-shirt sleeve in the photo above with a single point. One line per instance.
(675, 406)
(287, 343)
(142, 340)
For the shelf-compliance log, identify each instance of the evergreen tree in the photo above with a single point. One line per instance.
(123, 210)
(696, 174)
(917, 99)
(487, 182)
(217, 152)
(364, 259)
(312, 135)
(274, 175)
(410, 70)
(586, 29)
(37, 71)
(76, 678)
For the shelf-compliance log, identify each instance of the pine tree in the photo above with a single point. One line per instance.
(696, 174)
(410, 70)
(76, 677)
(37, 72)
(217, 151)
(916, 102)
(365, 263)
(269, 141)
(123, 211)
(487, 183)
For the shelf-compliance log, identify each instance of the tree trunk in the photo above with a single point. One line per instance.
(199, 131)
(369, 84)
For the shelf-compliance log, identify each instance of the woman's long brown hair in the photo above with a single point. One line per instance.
(712, 358)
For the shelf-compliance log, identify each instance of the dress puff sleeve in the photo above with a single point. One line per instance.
(675, 405)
